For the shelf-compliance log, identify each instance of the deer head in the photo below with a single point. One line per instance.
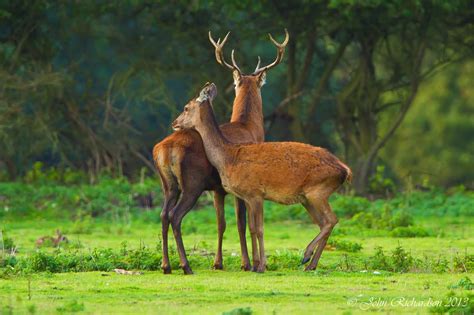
(258, 76)
(190, 115)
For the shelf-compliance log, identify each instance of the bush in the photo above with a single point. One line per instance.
(455, 304)
(6, 243)
(344, 245)
(348, 206)
(409, 231)
(465, 284)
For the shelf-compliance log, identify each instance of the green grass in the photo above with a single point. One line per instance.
(107, 229)
(283, 291)
(214, 292)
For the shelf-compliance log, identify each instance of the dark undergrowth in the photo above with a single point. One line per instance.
(145, 258)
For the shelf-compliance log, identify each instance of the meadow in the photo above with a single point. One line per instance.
(410, 252)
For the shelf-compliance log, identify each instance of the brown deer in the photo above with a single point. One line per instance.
(52, 241)
(283, 172)
(185, 171)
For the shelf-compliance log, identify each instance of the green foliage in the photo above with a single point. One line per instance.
(83, 224)
(379, 183)
(71, 307)
(344, 245)
(402, 260)
(399, 261)
(84, 90)
(465, 283)
(6, 242)
(454, 303)
(433, 144)
(379, 260)
(239, 311)
(348, 206)
(410, 231)
(464, 263)
(110, 198)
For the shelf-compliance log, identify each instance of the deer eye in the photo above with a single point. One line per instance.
(186, 109)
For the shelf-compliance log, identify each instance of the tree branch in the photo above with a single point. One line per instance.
(307, 60)
(323, 82)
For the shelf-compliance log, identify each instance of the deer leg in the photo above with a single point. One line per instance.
(253, 234)
(170, 200)
(184, 205)
(330, 221)
(240, 213)
(219, 197)
(258, 210)
(317, 219)
(321, 205)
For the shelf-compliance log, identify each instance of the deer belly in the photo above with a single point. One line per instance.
(245, 189)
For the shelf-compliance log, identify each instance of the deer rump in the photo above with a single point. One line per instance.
(281, 171)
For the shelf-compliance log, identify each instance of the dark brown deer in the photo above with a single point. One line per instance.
(185, 171)
(283, 172)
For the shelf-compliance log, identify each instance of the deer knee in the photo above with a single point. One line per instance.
(331, 220)
(164, 216)
(222, 226)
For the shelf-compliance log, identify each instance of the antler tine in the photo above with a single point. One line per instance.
(234, 64)
(258, 64)
(218, 51)
(280, 53)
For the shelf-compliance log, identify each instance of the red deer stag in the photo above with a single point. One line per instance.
(284, 172)
(185, 171)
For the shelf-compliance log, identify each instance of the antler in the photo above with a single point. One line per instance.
(220, 55)
(279, 57)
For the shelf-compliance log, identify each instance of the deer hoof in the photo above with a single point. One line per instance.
(261, 269)
(187, 270)
(309, 268)
(217, 266)
(166, 270)
(305, 260)
(246, 267)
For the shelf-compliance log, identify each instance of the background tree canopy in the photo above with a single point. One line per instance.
(94, 86)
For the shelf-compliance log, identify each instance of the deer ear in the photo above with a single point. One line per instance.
(237, 77)
(212, 92)
(261, 78)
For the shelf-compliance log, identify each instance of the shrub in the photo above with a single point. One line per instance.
(239, 311)
(344, 245)
(409, 231)
(71, 307)
(6, 243)
(348, 206)
(464, 263)
(379, 260)
(455, 304)
(465, 283)
(402, 261)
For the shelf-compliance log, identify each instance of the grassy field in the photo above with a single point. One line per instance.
(368, 265)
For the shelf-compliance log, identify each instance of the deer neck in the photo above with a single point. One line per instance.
(247, 108)
(215, 144)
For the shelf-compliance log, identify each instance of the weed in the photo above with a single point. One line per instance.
(402, 260)
(31, 309)
(464, 263)
(410, 231)
(465, 283)
(239, 311)
(344, 245)
(379, 261)
(71, 307)
(455, 304)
